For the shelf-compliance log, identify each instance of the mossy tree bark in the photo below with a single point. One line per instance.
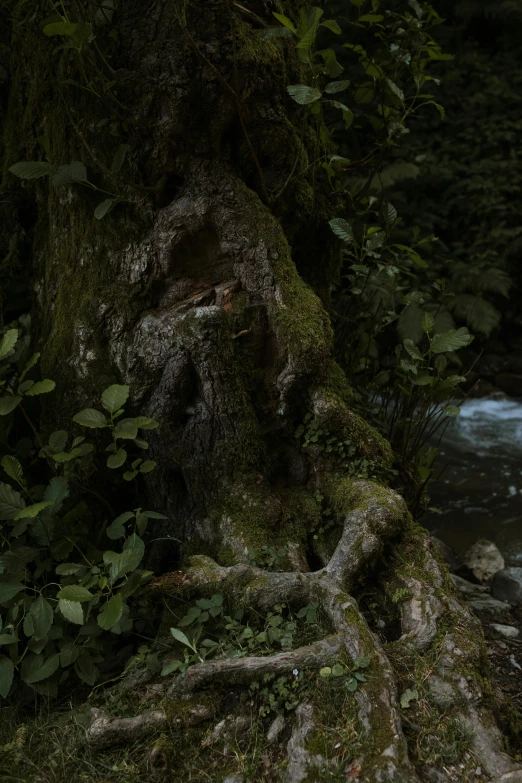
(208, 295)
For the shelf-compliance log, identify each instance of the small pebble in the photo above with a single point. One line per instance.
(509, 631)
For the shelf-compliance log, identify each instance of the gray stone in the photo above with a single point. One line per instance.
(468, 588)
(275, 729)
(484, 560)
(485, 604)
(507, 585)
(234, 779)
(509, 631)
(447, 554)
(510, 777)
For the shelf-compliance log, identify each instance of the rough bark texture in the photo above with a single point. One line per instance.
(191, 295)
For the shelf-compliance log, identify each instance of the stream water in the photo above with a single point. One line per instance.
(480, 487)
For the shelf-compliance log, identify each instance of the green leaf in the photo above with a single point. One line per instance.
(29, 512)
(342, 229)
(69, 173)
(40, 387)
(41, 669)
(126, 429)
(6, 675)
(147, 466)
(90, 418)
(13, 469)
(284, 21)
(130, 474)
(31, 169)
(128, 560)
(325, 672)
(68, 654)
(332, 25)
(8, 342)
(115, 397)
(303, 94)
(104, 207)
(119, 157)
(8, 638)
(180, 637)
(427, 323)
(42, 614)
(85, 669)
(412, 349)
(116, 529)
(60, 28)
(117, 460)
(450, 341)
(144, 423)
(74, 593)
(8, 590)
(66, 569)
(451, 410)
(333, 87)
(8, 404)
(57, 490)
(408, 696)
(71, 610)
(10, 502)
(370, 18)
(338, 670)
(157, 515)
(111, 612)
(57, 441)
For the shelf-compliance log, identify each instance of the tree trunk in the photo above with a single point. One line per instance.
(191, 295)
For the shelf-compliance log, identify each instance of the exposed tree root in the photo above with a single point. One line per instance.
(105, 730)
(453, 680)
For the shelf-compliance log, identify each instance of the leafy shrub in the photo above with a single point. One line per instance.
(65, 587)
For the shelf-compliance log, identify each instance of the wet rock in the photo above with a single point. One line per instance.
(446, 552)
(468, 588)
(486, 604)
(509, 631)
(483, 560)
(507, 585)
(510, 383)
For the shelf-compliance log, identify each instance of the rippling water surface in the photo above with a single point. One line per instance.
(480, 489)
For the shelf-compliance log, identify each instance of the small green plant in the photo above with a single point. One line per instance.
(268, 557)
(350, 677)
(61, 588)
(277, 694)
(206, 630)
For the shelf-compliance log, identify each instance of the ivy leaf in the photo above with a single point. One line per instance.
(31, 169)
(303, 94)
(8, 404)
(90, 418)
(117, 460)
(71, 610)
(42, 614)
(450, 341)
(8, 342)
(74, 593)
(6, 675)
(40, 387)
(342, 229)
(111, 612)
